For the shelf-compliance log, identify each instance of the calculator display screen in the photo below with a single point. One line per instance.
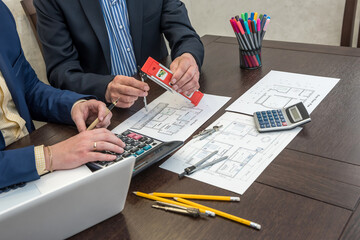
(295, 114)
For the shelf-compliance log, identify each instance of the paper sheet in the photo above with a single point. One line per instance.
(249, 153)
(282, 89)
(170, 117)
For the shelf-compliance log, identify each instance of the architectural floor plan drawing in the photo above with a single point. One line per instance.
(281, 89)
(170, 117)
(281, 96)
(166, 119)
(249, 152)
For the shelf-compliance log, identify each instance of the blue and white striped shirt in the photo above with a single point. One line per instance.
(121, 48)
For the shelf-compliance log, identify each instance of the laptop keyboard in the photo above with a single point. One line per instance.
(145, 149)
(12, 187)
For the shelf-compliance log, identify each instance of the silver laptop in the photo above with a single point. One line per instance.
(55, 207)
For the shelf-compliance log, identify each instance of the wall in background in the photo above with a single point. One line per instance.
(27, 38)
(307, 21)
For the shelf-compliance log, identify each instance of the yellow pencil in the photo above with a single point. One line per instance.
(220, 213)
(96, 121)
(196, 196)
(148, 196)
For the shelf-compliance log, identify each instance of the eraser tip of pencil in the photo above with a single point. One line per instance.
(255, 225)
(235, 199)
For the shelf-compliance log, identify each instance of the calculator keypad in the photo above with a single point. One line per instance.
(271, 119)
(135, 144)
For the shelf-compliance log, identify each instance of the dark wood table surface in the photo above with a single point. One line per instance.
(310, 191)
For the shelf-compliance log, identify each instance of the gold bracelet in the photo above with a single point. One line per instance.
(50, 156)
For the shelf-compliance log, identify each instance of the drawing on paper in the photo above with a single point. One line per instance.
(280, 89)
(166, 119)
(282, 96)
(240, 142)
(248, 151)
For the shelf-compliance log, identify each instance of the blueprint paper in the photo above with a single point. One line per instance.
(171, 117)
(249, 153)
(282, 89)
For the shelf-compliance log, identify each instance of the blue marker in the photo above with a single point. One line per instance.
(263, 20)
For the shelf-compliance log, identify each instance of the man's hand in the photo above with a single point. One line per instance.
(127, 88)
(185, 74)
(82, 148)
(86, 112)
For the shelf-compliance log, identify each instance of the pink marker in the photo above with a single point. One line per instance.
(235, 24)
(258, 27)
(265, 27)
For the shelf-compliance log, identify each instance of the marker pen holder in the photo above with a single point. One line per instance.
(250, 59)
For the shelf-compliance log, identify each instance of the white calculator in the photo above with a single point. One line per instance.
(281, 119)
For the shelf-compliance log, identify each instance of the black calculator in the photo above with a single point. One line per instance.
(281, 119)
(145, 149)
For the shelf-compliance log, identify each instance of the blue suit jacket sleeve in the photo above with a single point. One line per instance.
(17, 166)
(47, 103)
(33, 99)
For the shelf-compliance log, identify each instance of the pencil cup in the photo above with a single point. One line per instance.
(250, 59)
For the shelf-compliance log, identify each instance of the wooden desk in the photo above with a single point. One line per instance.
(310, 191)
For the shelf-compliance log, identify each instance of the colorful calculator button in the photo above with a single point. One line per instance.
(147, 147)
(140, 151)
